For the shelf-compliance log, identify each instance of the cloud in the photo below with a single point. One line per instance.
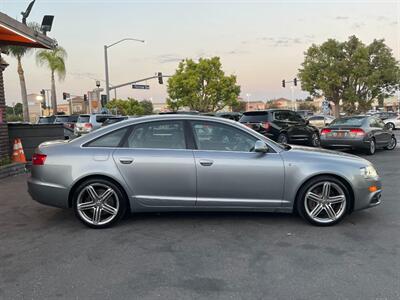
(287, 41)
(341, 18)
(358, 25)
(169, 58)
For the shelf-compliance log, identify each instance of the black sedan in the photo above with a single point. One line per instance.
(358, 132)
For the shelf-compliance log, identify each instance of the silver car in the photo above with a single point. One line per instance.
(197, 163)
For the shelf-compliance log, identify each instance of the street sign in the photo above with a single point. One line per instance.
(141, 86)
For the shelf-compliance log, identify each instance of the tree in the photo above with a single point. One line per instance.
(147, 106)
(307, 106)
(54, 59)
(350, 71)
(240, 106)
(130, 107)
(19, 52)
(202, 86)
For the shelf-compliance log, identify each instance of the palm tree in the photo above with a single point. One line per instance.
(18, 52)
(55, 60)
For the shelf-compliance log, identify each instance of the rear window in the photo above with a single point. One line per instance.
(112, 139)
(73, 118)
(62, 119)
(316, 118)
(102, 118)
(45, 120)
(83, 119)
(254, 117)
(348, 121)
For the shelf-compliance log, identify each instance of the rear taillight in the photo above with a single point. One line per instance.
(38, 159)
(88, 125)
(325, 131)
(357, 132)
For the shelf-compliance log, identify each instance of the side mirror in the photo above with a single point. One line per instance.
(261, 147)
(306, 121)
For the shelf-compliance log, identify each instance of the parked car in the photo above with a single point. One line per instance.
(89, 122)
(386, 115)
(393, 122)
(235, 116)
(320, 121)
(197, 163)
(283, 126)
(358, 132)
(113, 120)
(305, 113)
(68, 122)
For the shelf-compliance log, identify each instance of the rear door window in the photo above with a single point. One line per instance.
(158, 135)
(254, 117)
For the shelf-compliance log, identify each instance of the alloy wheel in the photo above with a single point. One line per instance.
(390, 125)
(282, 139)
(315, 140)
(392, 144)
(325, 202)
(98, 204)
(372, 147)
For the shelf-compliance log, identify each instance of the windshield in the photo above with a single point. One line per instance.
(352, 121)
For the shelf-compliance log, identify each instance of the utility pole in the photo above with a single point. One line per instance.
(106, 61)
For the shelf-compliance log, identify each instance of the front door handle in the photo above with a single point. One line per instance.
(206, 162)
(126, 160)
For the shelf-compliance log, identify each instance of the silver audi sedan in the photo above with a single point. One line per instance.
(197, 163)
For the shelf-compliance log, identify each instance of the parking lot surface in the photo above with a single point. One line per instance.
(45, 253)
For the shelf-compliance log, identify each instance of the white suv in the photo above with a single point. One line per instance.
(89, 122)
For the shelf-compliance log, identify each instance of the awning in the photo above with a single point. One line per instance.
(13, 32)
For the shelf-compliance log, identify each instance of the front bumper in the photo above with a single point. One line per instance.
(364, 198)
(47, 193)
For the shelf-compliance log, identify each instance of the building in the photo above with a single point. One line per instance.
(281, 103)
(160, 107)
(255, 105)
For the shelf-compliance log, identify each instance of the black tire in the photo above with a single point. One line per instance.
(372, 147)
(315, 140)
(390, 125)
(99, 184)
(283, 138)
(301, 203)
(392, 145)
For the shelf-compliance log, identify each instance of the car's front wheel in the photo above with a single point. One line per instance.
(390, 125)
(99, 203)
(392, 144)
(283, 138)
(323, 201)
(315, 140)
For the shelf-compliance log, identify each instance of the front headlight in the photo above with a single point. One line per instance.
(369, 172)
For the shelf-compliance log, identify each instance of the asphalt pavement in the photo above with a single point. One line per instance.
(45, 253)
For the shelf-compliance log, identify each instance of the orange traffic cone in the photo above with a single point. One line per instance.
(18, 152)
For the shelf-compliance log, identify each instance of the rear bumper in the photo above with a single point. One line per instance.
(47, 193)
(344, 143)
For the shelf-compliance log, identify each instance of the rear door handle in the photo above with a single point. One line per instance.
(126, 160)
(206, 162)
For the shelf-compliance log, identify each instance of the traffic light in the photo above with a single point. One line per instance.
(42, 92)
(283, 83)
(66, 96)
(85, 97)
(295, 82)
(160, 78)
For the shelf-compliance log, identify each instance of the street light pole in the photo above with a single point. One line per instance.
(106, 61)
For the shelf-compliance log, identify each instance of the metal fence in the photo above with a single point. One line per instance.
(32, 135)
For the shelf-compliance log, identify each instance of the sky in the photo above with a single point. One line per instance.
(261, 42)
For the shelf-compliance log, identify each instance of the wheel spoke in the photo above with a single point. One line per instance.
(326, 190)
(109, 209)
(316, 211)
(313, 197)
(330, 211)
(92, 193)
(86, 205)
(96, 215)
(106, 195)
(336, 199)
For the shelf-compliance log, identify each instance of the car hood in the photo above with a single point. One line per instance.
(324, 153)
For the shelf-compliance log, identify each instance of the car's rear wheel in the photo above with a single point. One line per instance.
(315, 140)
(323, 201)
(371, 148)
(283, 138)
(99, 203)
(390, 125)
(392, 144)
